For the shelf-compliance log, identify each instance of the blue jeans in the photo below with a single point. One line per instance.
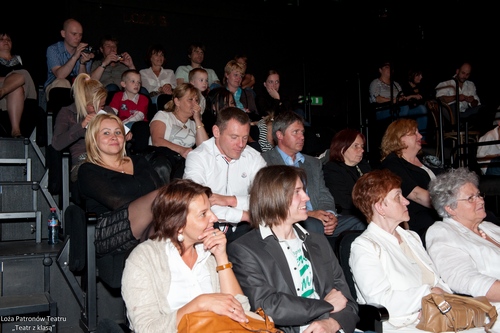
(345, 222)
(494, 170)
(419, 113)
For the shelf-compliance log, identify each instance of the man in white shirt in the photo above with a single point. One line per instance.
(227, 165)
(470, 105)
(490, 153)
(196, 54)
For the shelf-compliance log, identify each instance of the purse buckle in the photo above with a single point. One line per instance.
(444, 307)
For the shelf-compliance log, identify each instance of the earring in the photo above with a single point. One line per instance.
(180, 237)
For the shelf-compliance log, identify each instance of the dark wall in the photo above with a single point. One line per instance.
(325, 48)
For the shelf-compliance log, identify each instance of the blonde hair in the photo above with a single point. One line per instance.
(87, 91)
(391, 141)
(232, 66)
(93, 152)
(179, 92)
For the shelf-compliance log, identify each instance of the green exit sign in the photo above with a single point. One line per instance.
(316, 100)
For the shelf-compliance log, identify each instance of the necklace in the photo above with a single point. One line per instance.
(359, 170)
(486, 237)
(183, 124)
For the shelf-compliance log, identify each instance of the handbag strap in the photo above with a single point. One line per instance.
(445, 307)
(269, 324)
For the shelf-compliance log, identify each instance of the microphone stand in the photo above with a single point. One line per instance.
(457, 118)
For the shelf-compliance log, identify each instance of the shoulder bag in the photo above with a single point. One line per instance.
(208, 321)
(449, 312)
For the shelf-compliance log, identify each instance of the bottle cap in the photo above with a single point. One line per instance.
(52, 209)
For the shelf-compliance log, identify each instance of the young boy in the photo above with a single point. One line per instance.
(198, 77)
(128, 104)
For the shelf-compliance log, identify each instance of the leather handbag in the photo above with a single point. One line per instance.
(208, 321)
(449, 312)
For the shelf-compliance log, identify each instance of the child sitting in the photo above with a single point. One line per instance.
(128, 104)
(198, 77)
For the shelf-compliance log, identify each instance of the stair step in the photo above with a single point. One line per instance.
(15, 160)
(25, 304)
(37, 215)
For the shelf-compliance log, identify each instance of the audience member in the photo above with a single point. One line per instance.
(344, 167)
(490, 154)
(271, 100)
(71, 121)
(118, 188)
(389, 100)
(16, 84)
(228, 166)
(265, 126)
(156, 79)
(196, 55)
(463, 246)
(248, 79)
(110, 67)
(198, 77)
(183, 267)
(67, 58)
(176, 131)
(291, 274)
(390, 266)
(401, 153)
(217, 99)
(288, 134)
(129, 104)
(244, 99)
(471, 110)
(415, 91)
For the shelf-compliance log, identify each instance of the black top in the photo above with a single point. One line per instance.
(106, 190)
(340, 179)
(266, 104)
(412, 176)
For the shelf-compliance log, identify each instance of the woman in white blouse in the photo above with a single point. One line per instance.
(464, 247)
(389, 264)
(156, 79)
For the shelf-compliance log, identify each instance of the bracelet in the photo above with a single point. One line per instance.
(103, 66)
(200, 126)
(223, 267)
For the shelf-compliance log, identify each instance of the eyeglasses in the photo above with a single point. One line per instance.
(473, 198)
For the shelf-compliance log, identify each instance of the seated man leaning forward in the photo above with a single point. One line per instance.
(227, 165)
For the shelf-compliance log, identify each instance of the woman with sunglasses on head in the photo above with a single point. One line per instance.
(464, 246)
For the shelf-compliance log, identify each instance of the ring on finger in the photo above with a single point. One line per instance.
(214, 233)
(234, 309)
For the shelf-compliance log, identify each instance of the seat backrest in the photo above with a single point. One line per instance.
(343, 252)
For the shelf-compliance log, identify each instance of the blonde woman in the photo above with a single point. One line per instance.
(119, 188)
(176, 131)
(72, 120)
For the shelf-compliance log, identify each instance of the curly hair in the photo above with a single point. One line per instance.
(444, 189)
(391, 141)
(373, 187)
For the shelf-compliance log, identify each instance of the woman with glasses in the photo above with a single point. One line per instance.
(464, 247)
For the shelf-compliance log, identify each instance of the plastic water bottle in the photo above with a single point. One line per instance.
(53, 225)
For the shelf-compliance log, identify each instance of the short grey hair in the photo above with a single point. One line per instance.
(445, 187)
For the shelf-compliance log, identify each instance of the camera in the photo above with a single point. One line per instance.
(88, 49)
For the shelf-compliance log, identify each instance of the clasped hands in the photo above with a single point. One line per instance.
(329, 220)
